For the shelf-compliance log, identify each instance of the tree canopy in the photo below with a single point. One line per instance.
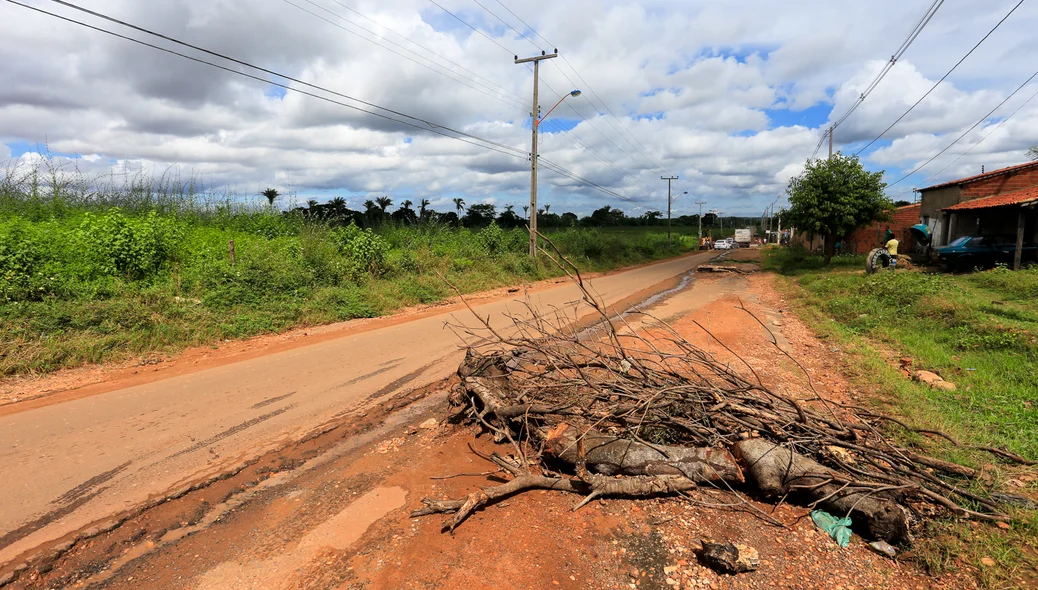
(834, 197)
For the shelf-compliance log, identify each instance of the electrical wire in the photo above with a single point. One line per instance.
(464, 22)
(434, 128)
(430, 124)
(987, 135)
(982, 119)
(508, 25)
(912, 36)
(570, 133)
(657, 165)
(945, 76)
(464, 81)
(430, 51)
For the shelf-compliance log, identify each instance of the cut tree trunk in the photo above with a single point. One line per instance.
(609, 455)
(778, 471)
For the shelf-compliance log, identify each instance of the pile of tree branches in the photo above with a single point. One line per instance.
(624, 411)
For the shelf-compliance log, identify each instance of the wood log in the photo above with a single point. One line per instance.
(610, 455)
(779, 471)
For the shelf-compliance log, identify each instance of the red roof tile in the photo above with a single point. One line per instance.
(1020, 197)
(993, 173)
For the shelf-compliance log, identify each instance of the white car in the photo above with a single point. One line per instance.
(725, 244)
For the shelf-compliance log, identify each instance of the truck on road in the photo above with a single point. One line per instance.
(743, 237)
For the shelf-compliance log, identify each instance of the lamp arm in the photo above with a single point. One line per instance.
(541, 120)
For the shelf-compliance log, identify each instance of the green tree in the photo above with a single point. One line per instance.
(1032, 152)
(384, 203)
(834, 197)
(271, 194)
(459, 204)
(423, 208)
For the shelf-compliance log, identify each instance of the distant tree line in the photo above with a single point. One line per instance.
(380, 210)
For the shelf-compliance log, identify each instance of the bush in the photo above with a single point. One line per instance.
(22, 264)
(131, 247)
(364, 249)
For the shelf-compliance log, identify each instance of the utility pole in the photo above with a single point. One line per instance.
(668, 179)
(831, 127)
(700, 203)
(534, 117)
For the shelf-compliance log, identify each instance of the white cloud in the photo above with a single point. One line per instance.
(712, 91)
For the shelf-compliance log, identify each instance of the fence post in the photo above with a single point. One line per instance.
(230, 251)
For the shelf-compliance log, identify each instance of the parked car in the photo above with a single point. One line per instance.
(969, 252)
(725, 244)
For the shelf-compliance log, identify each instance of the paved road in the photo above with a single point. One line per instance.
(67, 465)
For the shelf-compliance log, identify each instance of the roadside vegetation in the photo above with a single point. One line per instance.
(92, 272)
(979, 331)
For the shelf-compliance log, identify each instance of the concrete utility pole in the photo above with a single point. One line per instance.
(668, 179)
(700, 203)
(831, 127)
(534, 117)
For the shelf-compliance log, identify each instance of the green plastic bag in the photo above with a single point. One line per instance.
(838, 528)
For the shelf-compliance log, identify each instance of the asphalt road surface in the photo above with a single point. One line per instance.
(73, 463)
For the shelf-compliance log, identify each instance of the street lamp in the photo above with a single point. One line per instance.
(533, 164)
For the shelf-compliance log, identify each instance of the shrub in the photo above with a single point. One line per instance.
(491, 239)
(364, 249)
(132, 247)
(22, 262)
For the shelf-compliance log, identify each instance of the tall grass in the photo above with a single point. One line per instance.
(102, 269)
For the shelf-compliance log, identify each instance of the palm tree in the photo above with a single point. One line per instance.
(337, 205)
(459, 204)
(526, 211)
(271, 194)
(423, 208)
(1032, 152)
(384, 203)
(369, 207)
(509, 208)
(406, 205)
(311, 203)
(547, 207)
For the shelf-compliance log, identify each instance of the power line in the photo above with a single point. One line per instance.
(447, 74)
(424, 48)
(569, 132)
(555, 167)
(433, 127)
(588, 86)
(507, 24)
(657, 165)
(912, 35)
(982, 119)
(464, 22)
(893, 60)
(934, 87)
(987, 135)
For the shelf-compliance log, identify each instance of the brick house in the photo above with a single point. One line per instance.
(954, 209)
(865, 239)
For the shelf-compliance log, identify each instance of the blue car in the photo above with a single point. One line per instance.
(970, 252)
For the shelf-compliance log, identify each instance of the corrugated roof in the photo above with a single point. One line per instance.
(991, 174)
(1020, 197)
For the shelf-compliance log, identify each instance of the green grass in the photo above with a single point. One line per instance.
(85, 281)
(979, 331)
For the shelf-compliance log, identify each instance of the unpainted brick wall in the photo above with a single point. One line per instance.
(997, 185)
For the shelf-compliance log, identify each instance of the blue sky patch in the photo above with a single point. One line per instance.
(275, 92)
(811, 117)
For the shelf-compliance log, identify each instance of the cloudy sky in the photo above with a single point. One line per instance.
(730, 95)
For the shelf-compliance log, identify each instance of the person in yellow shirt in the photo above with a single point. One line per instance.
(891, 247)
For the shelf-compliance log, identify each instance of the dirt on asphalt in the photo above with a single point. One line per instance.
(333, 511)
